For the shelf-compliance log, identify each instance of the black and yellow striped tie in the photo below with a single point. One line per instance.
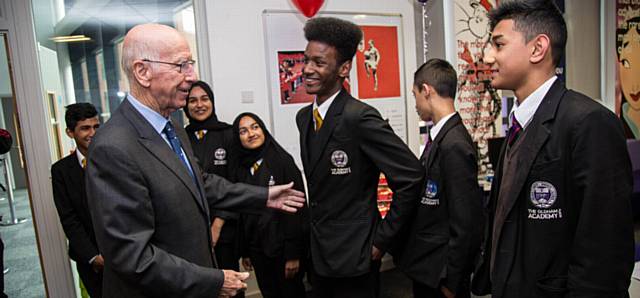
(255, 167)
(200, 134)
(317, 118)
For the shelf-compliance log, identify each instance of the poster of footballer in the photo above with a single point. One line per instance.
(377, 63)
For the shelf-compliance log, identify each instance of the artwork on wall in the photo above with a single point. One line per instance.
(477, 102)
(382, 59)
(292, 90)
(377, 63)
(628, 66)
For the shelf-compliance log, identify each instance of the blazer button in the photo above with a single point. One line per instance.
(313, 204)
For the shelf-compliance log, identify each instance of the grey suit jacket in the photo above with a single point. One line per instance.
(150, 219)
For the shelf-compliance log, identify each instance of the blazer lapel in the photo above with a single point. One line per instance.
(76, 174)
(331, 119)
(158, 147)
(451, 123)
(304, 134)
(186, 146)
(536, 137)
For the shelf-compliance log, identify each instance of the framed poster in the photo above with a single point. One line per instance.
(377, 74)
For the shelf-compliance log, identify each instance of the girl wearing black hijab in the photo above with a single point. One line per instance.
(273, 243)
(212, 142)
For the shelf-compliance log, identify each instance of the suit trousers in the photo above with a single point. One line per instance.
(363, 286)
(271, 279)
(423, 291)
(91, 280)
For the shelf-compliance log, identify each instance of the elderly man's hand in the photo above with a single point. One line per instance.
(233, 283)
(285, 198)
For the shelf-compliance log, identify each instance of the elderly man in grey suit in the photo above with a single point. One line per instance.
(149, 200)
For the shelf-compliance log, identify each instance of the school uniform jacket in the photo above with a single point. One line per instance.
(444, 239)
(215, 156)
(342, 163)
(567, 230)
(273, 233)
(70, 198)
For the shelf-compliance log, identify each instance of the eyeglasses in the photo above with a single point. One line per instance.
(185, 67)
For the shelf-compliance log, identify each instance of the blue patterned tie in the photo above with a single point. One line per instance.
(176, 145)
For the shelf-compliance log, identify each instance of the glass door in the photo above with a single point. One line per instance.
(21, 268)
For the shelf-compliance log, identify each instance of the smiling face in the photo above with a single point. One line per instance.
(508, 57)
(251, 134)
(629, 67)
(83, 133)
(322, 74)
(199, 104)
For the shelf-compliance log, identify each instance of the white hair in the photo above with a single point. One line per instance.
(136, 50)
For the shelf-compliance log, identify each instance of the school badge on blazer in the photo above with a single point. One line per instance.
(430, 192)
(543, 195)
(220, 157)
(340, 159)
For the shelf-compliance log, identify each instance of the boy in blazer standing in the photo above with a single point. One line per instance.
(345, 144)
(560, 222)
(70, 197)
(444, 239)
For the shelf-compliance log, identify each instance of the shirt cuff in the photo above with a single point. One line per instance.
(92, 259)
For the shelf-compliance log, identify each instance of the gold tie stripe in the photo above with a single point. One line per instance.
(255, 167)
(200, 134)
(317, 118)
(84, 163)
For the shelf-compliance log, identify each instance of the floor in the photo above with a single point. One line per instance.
(24, 278)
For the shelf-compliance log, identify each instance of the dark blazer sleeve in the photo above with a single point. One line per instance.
(401, 168)
(123, 217)
(294, 224)
(236, 197)
(459, 175)
(79, 241)
(602, 255)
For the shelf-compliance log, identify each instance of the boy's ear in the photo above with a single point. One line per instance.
(540, 47)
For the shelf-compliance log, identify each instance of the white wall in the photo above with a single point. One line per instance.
(237, 50)
(583, 50)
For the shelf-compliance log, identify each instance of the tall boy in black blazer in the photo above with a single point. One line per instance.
(444, 238)
(560, 222)
(70, 197)
(345, 144)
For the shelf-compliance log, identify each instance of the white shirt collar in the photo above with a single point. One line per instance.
(324, 107)
(524, 112)
(80, 157)
(438, 126)
(157, 121)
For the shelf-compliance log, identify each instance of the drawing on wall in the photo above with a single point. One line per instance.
(628, 67)
(377, 63)
(477, 102)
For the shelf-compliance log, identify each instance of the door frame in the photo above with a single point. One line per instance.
(16, 20)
